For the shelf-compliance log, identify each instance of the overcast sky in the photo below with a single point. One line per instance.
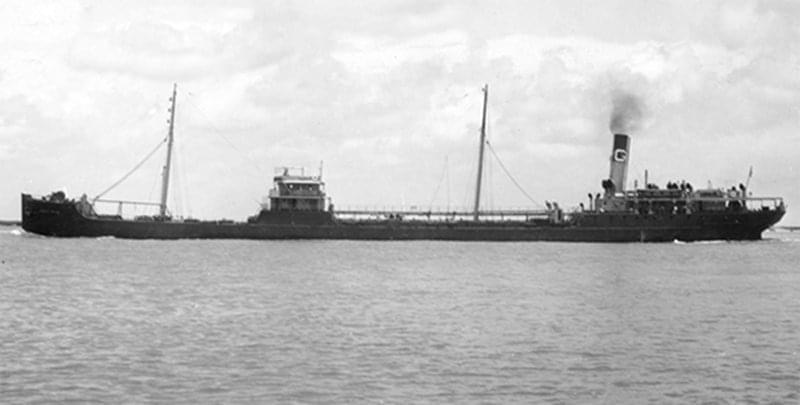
(388, 95)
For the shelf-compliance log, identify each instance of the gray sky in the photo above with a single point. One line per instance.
(387, 94)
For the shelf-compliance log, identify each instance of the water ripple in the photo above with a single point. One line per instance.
(99, 321)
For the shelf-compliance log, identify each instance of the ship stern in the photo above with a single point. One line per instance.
(49, 216)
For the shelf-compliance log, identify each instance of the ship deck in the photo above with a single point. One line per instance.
(442, 215)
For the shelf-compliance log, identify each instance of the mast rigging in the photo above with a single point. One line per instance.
(480, 154)
(165, 174)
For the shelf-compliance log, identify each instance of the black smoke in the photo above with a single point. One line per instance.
(627, 113)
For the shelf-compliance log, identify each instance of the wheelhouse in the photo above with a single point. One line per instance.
(294, 191)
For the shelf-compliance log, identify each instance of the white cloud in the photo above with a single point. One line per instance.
(383, 91)
(369, 55)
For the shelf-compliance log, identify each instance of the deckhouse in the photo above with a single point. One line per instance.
(294, 191)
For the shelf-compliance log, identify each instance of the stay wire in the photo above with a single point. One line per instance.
(184, 184)
(513, 180)
(438, 185)
(149, 155)
(225, 138)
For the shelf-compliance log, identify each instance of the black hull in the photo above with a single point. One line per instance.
(63, 219)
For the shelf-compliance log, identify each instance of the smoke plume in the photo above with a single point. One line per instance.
(626, 113)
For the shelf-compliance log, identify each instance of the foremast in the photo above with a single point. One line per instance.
(480, 154)
(165, 174)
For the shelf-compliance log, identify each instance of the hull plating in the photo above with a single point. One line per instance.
(63, 219)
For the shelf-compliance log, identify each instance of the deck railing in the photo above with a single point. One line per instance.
(633, 201)
(123, 203)
(297, 193)
(440, 215)
(770, 201)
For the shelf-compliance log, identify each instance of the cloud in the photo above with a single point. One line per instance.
(366, 55)
(161, 48)
(384, 91)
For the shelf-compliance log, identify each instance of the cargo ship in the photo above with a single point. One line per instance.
(297, 207)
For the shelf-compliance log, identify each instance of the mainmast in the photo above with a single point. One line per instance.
(165, 174)
(480, 153)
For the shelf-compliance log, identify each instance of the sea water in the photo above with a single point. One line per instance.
(209, 321)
